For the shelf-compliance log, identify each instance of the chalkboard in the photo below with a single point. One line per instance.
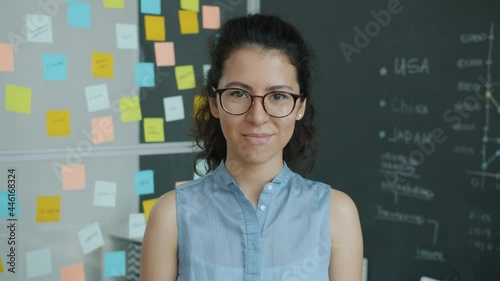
(408, 113)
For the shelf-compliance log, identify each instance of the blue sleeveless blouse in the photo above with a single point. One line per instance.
(221, 237)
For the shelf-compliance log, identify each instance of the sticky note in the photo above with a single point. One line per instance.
(151, 7)
(188, 21)
(184, 75)
(114, 4)
(102, 65)
(7, 212)
(97, 97)
(201, 167)
(177, 183)
(73, 176)
(73, 272)
(105, 193)
(198, 104)
(144, 182)
(38, 262)
(130, 109)
(155, 28)
(164, 53)
(424, 278)
(90, 238)
(48, 208)
(206, 69)
(17, 99)
(136, 225)
(78, 14)
(153, 130)
(192, 5)
(39, 28)
(1, 265)
(147, 205)
(211, 17)
(174, 108)
(102, 129)
(145, 74)
(114, 264)
(6, 57)
(54, 67)
(126, 36)
(58, 123)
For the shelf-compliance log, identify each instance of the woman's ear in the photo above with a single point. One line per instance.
(301, 111)
(213, 107)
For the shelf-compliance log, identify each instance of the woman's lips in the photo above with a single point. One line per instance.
(257, 139)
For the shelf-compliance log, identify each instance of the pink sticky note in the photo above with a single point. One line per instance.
(211, 17)
(165, 53)
(73, 176)
(103, 129)
(73, 272)
(7, 57)
(177, 183)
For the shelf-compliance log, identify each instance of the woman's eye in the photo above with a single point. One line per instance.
(238, 94)
(278, 96)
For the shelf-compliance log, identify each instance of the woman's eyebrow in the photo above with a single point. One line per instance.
(248, 87)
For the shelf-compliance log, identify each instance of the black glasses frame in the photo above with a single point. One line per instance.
(252, 97)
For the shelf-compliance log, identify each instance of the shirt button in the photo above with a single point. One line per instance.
(262, 207)
(269, 187)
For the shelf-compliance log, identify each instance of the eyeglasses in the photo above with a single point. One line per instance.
(277, 104)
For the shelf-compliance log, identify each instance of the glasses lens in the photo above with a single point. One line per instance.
(279, 104)
(236, 101)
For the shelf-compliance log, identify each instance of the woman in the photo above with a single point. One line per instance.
(251, 217)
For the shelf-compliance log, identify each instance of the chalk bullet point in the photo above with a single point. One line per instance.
(383, 71)
(381, 134)
(382, 103)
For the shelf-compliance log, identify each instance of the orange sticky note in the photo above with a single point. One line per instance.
(192, 5)
(184, 75)
(103, 129)
(165, 53)
(130, 109)
(58, 123)
(102, 65)
(188, 21)
(48, 208)
(155, 28)
(211, 17)
(153, 130)
(17, 99)
(147, 205)
(7, 57)
(114, 4)
(73, 272)
(73, 176)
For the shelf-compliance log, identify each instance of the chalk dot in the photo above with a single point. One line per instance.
(381, 134)
(498, 109)
(381, 103)
(488, 94)
(484, 166)
(485, 139)
(383, 71)
(498, 151)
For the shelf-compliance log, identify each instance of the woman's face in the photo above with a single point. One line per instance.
(255, 137)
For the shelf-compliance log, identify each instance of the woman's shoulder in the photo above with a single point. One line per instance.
(342, 207)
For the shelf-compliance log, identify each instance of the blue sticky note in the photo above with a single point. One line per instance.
(114, 264)
(5, 207)
(144, 182)
(79, 14)
(145, 74)
(151, 7)
(54, 67)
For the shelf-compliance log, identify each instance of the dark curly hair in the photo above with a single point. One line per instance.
(269, 33)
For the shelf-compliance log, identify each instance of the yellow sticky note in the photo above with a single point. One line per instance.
(18, 99)
(130, 109)
(7, 57)
(102, 65)
(211, 17)
(48, 208)
(1, 266)
(153, 130)
(147, 205)
(58, 123)
(184, 75)
(188, 21)
(114, 4)
(155, 28)
(73, 272)
(192, 5)
(199, 103)
(165, 53)
(73, 176)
